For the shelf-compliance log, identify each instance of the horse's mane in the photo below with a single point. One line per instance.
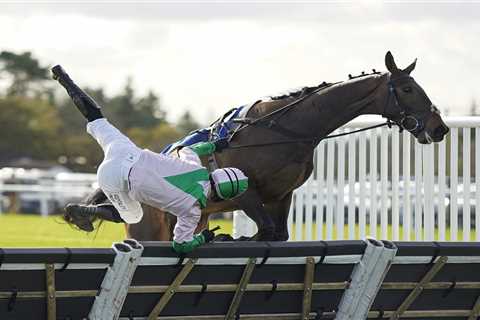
(298, 93)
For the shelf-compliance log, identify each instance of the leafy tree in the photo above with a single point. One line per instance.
(30, 129)
(155, 138)
(187, 123)
(126, 111)
(25, 74)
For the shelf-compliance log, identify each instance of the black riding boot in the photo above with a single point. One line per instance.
(84, 103)
(83, 216)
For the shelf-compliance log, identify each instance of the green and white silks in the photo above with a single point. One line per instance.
(229, 182)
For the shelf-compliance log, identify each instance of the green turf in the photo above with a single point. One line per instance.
(378, 235)
(20, 230)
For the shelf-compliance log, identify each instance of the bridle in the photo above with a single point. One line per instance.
(406, 121)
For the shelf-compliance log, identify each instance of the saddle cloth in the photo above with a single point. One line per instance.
(222, 128)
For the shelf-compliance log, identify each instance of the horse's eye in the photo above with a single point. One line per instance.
(407, 89)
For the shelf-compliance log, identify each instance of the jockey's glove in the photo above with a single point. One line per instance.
(189, 246)
(221, 144)
(208, 235)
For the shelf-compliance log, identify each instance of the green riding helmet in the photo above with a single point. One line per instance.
(229, 182)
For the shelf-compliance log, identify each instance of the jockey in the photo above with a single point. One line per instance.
(129, 176)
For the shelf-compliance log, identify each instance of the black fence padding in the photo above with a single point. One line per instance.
(58, 255)
(34, 280)
(429, 299)
(450, 272)
(79, 279)
(217, 303)
(36, 309)
(258, 249)
(141, 304)
(442, 318)
(231, 274)
(416, 248)
(23, 280)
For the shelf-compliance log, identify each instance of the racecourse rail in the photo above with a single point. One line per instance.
(383, 178)
(350, 279)
(372, 180)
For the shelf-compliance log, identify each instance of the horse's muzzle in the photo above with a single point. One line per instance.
(439, 132)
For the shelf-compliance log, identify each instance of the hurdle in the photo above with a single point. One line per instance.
(354, 279)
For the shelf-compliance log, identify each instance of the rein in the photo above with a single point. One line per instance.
(314, 141)
(407, 121)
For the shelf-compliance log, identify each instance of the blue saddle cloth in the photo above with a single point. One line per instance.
(219, 130)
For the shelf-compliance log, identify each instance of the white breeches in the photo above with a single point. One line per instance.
(120, 154)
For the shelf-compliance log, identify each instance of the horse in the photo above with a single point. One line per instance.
(275, 145)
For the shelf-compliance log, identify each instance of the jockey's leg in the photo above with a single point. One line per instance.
(112, 177)
(108, 137)
(83, 216)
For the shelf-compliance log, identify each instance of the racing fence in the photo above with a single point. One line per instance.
(384, 184)
(341, 280)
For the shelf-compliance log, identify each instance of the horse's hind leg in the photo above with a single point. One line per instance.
(251, 203)
(279, 212)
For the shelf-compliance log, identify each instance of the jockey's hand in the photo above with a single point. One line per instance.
(221, 144)
(189, 246)
(209, 234)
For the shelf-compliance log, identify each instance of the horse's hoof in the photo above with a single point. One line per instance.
(243, 238)
(263, 236)
(223, 237)
(281, 237)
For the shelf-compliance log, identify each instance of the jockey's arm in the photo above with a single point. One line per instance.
(184, 239)
(207, 148)
(203, 148)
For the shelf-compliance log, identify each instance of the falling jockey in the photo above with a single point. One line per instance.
(130, 176)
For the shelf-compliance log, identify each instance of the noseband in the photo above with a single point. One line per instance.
(407, 121)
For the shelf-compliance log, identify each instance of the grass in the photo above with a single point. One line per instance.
(21, 230)
(379, 233)
(33, 231)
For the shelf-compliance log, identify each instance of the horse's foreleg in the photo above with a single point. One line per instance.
(251, 203)
(279, 213)
(156, 225)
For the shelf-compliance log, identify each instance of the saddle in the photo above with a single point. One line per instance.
(222, 128)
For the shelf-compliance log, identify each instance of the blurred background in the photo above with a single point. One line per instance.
(163, 69)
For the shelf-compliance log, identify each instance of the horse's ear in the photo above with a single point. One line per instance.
(410, 68)
(390, 63)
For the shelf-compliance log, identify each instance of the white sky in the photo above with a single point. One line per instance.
(210, 56)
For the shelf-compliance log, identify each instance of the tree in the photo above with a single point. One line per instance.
(187, 123)
(155, 138)
(25, 74)
(126, 111)
(29, 129)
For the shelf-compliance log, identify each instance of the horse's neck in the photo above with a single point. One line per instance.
(341, 103)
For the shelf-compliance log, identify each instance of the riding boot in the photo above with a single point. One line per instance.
(83, 216)
(84, 103)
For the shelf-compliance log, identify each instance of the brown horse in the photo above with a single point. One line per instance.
(275, 147)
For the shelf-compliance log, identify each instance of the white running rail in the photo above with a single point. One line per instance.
(384, 184)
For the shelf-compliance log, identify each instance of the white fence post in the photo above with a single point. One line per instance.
(419, 200)
(243, 225)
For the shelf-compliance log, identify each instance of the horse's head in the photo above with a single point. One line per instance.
(409, 106)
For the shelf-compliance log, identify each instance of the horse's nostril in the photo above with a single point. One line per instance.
(440, 131)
